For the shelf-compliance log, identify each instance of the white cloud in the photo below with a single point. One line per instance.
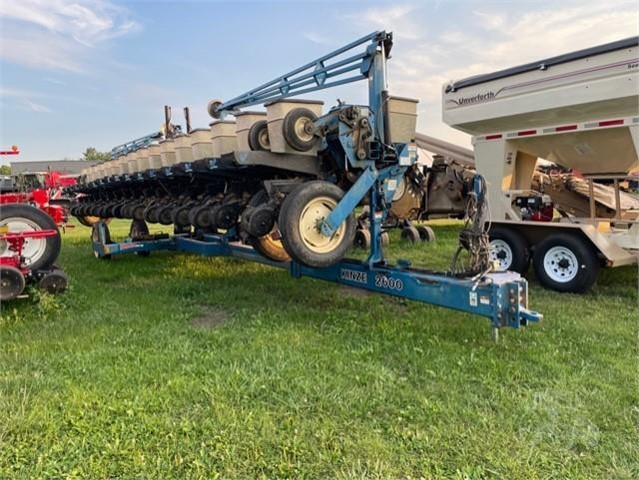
(36, 107)
(317, 38)
(59, 35)
(395, 18)
(421, 66)
(24, 99)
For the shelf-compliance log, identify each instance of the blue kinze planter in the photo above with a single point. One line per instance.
(309, 189)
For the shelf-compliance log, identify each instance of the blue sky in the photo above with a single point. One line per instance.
(75, 74)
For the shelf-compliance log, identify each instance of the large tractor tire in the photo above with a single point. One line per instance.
(39, 253)
(300, 220)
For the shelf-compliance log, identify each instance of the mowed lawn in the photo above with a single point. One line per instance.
(175, 366)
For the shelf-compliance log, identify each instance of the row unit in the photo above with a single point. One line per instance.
(283, 128)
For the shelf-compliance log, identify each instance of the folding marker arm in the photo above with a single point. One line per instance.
(316, 75)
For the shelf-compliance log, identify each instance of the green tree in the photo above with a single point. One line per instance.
(93, 155)
(5, 170)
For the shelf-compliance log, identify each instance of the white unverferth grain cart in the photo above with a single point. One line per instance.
(579, 110)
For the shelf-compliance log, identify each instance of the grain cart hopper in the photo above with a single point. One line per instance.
(302, 174)
(579, 110)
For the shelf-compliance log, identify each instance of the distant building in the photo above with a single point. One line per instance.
(69, 167)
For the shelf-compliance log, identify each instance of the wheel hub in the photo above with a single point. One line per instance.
(310, 226)
(561, 264)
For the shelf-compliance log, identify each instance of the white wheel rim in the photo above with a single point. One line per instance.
(501, 253)
(310, 223)
(264, 140)
(300, 129)
(561, 264)
(400, 190)
(32, 248)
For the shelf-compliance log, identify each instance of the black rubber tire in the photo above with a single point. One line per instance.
(165, 216)
(180, 216)
(520, 249)
(583, 252)
(135, 212)
(410, 234)
(258, 137)
(362, 238)
(54, 282)
(199, 216)
(12, 282)
(43, 222)
(290, 135)
(426, 234)
(289, 218)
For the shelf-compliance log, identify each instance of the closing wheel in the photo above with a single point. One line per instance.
(298, 128)
(426, 234)
(180, 216)
(54, 282)
(362, 238)
(258, 136)
(151, 213)
(269, 245)
(300, 221)
(88, 220)
(566, 263)
(38, 253)
(410, 234)
(12, 282)
(509, 249)
(165, 215)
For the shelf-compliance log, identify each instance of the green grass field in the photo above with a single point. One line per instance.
(176, 366)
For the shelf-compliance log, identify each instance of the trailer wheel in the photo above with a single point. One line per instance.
(426, 234)
(410, 234)
(510, 249)
(363, 238)
(38, 253)
(258, 136)
(300, 219)
(565, 263)
(297, 129)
